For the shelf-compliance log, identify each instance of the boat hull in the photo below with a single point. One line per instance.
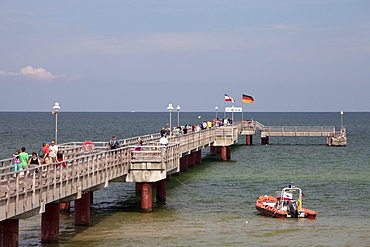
(264, 204)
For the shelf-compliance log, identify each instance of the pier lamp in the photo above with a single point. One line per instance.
(178, 108)
(56, 108)
(216, 108)
(170, 108)
(232, 113)
(341, 120)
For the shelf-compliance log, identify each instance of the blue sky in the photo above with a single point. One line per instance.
(141, 55)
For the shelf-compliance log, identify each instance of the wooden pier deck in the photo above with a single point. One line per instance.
(92, 168)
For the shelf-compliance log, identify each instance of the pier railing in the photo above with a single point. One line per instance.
(25, 193)
(227, 135)
(91, 167)
(195, 140)
(298, 131)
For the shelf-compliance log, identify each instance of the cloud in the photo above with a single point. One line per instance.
(37, 73)
(8, 73)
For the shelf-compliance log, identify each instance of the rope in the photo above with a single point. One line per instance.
(184, 184)
(181, 182)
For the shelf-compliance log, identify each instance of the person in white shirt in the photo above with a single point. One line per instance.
(163, 140)
(53, 151)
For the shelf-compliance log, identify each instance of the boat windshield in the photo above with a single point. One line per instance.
(289, 194)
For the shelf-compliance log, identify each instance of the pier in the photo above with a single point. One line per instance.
(91, 167)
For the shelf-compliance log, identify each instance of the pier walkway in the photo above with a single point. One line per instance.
(334, 138)
(87, 168)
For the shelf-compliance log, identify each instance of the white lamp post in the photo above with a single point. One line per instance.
(170, 108)
(56, 108)
(232, 113)
(216, 108)
(341, 120)
(178, 108)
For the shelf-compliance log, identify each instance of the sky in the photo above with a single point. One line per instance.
(121, 56)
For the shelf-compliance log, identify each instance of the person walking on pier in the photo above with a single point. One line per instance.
(23, 157)
(163, 131)
(168, 130)
(41, 154)
(34, 161)
(60, 157)
(164, 142)
(139, 145)
(114, 143)
(16, 161)
(53, 151)
(46, 151)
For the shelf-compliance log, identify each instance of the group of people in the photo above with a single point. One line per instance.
(166, 131)
(177, 131)
(215, 123)
(49, 153)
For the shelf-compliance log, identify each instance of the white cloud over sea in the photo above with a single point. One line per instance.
(37, 73)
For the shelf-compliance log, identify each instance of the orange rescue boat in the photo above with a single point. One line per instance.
(287, 204)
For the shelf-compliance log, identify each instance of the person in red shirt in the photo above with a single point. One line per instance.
(46, 151)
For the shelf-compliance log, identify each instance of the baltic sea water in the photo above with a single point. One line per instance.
(213, 204)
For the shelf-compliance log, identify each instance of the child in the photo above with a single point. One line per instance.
(16, 161)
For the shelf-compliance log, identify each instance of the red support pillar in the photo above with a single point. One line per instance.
(198, 156)
(50, 223)
(213, 150)
(184, 163)
(82, 210)
(265, 140)
(146, 198)
(161, 190)
(223, 153)
(328, 140)
(248, 140)
(138, 186)
(228, 152)
(9, 233)
(191, 160)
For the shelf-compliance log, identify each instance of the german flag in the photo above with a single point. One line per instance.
(247, 98)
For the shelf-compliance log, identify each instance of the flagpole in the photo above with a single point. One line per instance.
(224, 110)
(242, 111)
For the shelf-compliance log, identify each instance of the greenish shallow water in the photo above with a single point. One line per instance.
(214, 203)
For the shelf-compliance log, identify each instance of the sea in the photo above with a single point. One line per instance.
(213, 204)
